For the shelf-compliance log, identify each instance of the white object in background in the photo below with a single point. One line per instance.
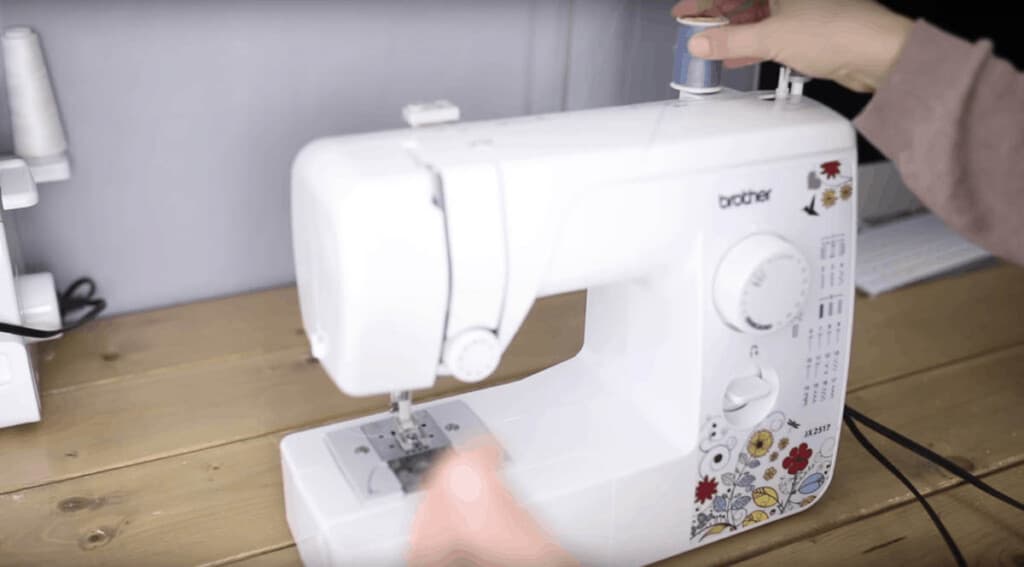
(37, 297)
(909, 250)
(17, 186)
(883, 195)
(430, 113)
(35, 119)
(28, 300)
(673, 388)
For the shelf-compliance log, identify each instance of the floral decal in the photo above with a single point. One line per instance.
(797, 459)
(830, 169)
(706, 488)
(828, 198)
(748, 489)
(760, 443)
(833, 185)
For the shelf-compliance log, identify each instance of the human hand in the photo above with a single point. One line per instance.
(853, 42)
(469, 517)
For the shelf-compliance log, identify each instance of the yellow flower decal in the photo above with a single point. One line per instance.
(829, 198)
(769, 473)
(754, 517)
(845, 192)
(783, 443)
(765, 496)
(760, 443)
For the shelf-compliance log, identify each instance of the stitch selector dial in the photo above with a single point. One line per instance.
(761, 284)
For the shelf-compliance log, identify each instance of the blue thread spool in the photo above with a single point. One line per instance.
(694, 75)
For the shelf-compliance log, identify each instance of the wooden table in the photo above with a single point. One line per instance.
(159, 438)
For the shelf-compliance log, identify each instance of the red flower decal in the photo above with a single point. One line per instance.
(706, 489)
(830, 169)
(797, 459)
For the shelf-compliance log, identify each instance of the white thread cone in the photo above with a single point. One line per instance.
(35, 120)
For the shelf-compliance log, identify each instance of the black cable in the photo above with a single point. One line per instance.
(72, 300)
(934, 457)
(906, 482)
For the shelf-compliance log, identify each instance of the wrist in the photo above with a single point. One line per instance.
(890, 32)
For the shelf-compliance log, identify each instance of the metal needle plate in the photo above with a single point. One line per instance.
(374, 462)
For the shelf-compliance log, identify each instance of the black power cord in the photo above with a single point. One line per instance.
(934, 457)
(852, 416)
(81, 294)
(906, 482)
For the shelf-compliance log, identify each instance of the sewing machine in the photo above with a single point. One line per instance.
(715, 237)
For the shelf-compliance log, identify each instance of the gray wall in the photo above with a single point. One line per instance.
(183, 115)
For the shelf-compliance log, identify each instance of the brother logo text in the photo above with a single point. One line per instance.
(745, 198)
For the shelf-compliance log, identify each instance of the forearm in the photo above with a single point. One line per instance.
(951, 116)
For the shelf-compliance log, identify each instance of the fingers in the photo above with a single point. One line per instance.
(742, 62)
(694, 7)
(732, 42)
(458, 498)
(470, 476)
(467, 514)
(747, 17)
(485, 450)
(729, 7)
(715, 7)
(482, 454)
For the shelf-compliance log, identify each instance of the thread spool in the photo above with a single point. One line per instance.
(692, 74)
(35, 120)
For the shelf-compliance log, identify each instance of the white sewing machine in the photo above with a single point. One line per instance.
(715, 238)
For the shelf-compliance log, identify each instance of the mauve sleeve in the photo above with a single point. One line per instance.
(951, 117)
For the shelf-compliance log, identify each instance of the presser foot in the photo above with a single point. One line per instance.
(407, 432)
(388, 457)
